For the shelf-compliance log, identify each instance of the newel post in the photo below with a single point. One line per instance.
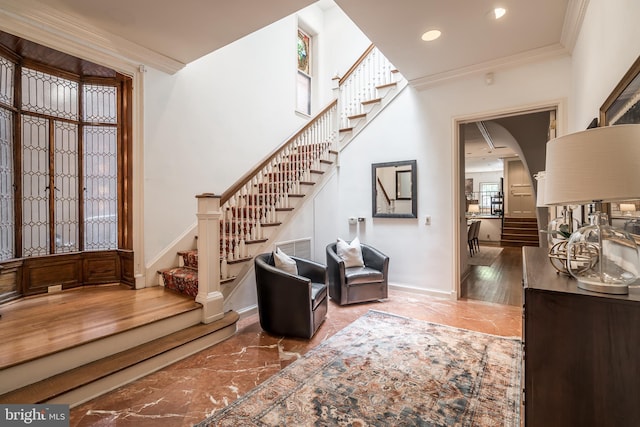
(209, 294)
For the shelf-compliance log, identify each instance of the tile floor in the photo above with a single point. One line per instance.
(189, 390)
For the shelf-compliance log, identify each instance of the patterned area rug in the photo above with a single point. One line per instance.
(387, 370)
(486, 256)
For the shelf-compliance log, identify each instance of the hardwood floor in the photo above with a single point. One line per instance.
(35, 326)
(500, 283)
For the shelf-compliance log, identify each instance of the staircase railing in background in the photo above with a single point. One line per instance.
(361, 83)
(251, 204)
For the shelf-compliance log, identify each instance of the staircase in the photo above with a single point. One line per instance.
(253, 211)
(253, 214)
(519, 232)
(232, 228)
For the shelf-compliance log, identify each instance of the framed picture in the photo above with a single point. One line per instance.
(468, 187)
(623, 105)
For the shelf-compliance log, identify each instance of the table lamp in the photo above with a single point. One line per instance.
(558, 230)
(597, 165)
(474, 209)
(627, 208)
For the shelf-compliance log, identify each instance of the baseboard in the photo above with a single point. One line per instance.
(247, 311)
(430, 292)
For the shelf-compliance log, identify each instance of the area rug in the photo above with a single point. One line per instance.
(387, 370)
(486, 256)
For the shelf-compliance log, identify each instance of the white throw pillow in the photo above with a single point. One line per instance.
(351, 253)
(284, 262)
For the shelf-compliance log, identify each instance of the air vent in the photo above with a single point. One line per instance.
(300, 248)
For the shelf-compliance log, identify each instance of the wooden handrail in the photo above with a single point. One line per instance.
(386, 196)
(269, 158)
(356, 64)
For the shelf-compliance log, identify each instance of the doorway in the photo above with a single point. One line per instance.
(516, 142)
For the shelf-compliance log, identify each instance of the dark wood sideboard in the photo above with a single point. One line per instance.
(581, 351)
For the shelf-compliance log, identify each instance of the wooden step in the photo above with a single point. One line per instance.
(522, 237)
(517, 243)
(525, 231)
(371, 101)
(54, 333)
(357, 116)
(183, 280)
(59, 388)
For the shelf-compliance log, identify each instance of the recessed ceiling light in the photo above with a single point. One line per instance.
(499, 12)
(431, 35)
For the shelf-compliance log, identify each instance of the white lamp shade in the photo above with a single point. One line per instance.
(474, 208)
(627, 207)
(541, 177)
(600, 164)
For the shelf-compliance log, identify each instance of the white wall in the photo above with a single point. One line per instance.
(417, 125)
(606, 48)
(211, 122)
(420, 125)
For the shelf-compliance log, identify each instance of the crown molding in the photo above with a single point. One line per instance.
(49, 27)
(524, 58)
(573, 18)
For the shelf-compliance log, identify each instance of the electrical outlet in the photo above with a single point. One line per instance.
(427, 220)
(54, 288)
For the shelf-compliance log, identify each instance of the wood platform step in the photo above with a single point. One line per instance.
(517, 232)
(71, 383)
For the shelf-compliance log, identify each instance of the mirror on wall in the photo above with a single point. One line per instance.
(394, 192)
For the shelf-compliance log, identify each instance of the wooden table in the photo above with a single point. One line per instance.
(581, 351)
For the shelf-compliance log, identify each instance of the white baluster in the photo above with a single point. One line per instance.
(224, 269)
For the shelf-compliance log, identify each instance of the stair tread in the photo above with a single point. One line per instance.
(179, 270)
(49, 388)
(371, 101)
(387, 85)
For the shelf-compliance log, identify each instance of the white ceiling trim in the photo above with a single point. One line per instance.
(576, 9)
(532, 56)
(50, 28)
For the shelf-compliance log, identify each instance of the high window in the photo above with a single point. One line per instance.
(61, 156)
(303, 90)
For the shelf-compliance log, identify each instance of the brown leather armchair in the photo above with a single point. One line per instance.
(357, 284)
(288, 304)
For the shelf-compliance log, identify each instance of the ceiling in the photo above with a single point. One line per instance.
(479, 155)
(182, 31)
(471, 42)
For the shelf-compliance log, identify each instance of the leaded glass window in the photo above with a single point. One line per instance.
(68, 164)
(303, 83)
(7, 226)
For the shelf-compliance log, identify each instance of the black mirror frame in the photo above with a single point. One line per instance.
(414, 189)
